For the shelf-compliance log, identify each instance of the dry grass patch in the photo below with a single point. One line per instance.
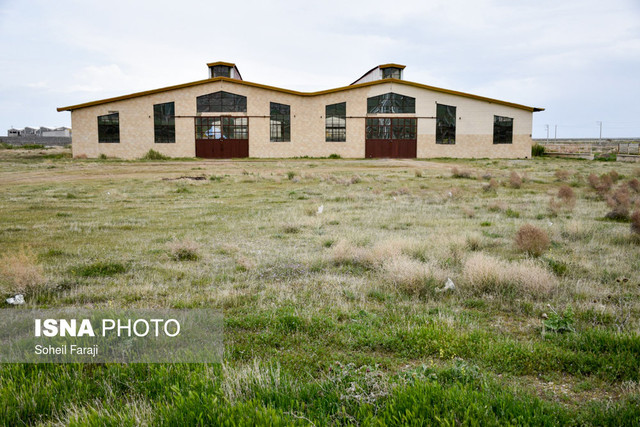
(487, 274)
(21, 274)
(412, 277)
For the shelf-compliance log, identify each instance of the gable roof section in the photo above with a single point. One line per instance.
(293, 92)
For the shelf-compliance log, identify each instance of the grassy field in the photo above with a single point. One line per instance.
(337, 317)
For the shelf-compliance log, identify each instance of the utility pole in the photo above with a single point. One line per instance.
(555, 134)
(547, 128)
(600, 123)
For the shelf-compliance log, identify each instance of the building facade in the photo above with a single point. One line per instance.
(379, 115)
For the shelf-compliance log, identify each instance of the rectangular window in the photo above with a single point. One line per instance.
(280, 122)
(164, 123)
(445, 124)
(109, 128)
(391, 73)
(502, 130)
(336, 122)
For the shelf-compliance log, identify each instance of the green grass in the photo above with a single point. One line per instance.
(335, 317)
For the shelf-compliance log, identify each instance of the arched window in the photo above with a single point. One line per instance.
(221, 102)
(391, 103)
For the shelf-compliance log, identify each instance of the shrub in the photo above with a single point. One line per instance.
(602, 184)
(566, 193)
(515, 181)
(532, 240)
(634, 184)
(492, 185)
(184, 250)
(561, 174)
(154, 155)
(566, 199)
(21, 273)
(606, 157)
(537, 150)
(635, 223)
(291, 175)
(457, 173)
(620, 203)
(335, 156)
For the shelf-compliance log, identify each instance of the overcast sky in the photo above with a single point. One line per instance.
(578, 59)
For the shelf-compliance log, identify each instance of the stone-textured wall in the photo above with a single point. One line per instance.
(474, 126)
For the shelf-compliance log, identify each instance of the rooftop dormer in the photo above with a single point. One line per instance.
(385, 71)
(224, 69)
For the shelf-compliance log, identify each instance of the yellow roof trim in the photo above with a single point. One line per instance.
(293, 92)
(402, 67)
(228, 64)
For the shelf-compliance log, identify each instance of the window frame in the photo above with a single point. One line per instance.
(502, 130)
(391, 128)
(335, 122)
(391, 103)
(224, 126)
(283, 122)
(221, 102)
(388, 73)
(443, 128)
(165, 131)
(106, 129)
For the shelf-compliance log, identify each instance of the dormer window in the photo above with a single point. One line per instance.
(220, 71)
(392, 73)
(223, 69)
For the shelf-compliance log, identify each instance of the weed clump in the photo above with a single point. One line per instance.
(532, 240)
(184, 250)
(601, 184)
(457, 173)
(537, 150)
(515, 181)
(561, 175)
(635, 223)
(154, 155)
(620, 203)
(492, 185)
(565, 200)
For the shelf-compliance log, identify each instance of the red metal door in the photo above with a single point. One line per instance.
(391, 138)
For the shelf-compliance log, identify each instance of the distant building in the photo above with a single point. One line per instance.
(378, 115)
(42, 131)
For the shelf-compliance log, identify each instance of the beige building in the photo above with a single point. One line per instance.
(378, 115)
